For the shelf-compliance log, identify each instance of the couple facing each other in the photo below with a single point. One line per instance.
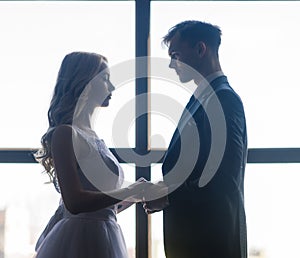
(200, 221)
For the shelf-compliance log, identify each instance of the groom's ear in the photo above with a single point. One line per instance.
(201, 48)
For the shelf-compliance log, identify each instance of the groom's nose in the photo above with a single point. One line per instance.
(173, 63)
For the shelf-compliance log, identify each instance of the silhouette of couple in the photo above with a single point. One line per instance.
(202, 192)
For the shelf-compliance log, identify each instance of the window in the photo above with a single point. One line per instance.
(259, 54)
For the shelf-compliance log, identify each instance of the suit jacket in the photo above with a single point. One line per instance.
(207, 221)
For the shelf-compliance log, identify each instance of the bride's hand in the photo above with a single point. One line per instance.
(137, 190)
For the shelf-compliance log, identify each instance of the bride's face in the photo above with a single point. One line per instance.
(101, 88)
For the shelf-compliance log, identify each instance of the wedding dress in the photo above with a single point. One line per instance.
(88, 234)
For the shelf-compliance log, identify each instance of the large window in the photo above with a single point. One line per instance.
(259, 55)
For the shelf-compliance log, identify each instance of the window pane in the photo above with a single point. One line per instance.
(259, 54)
(167, 103)
(26, 205)
(272, 211)
(271, 199)
(35, 36)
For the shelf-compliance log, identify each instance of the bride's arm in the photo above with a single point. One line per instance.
(123, 205)
(75, 198)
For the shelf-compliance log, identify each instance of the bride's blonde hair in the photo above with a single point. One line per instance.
(76, 71)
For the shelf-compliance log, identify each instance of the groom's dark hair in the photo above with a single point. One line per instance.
(194, 31)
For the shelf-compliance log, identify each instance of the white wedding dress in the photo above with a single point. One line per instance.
(90, 234)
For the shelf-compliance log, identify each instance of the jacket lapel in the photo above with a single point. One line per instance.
(193, 105)
(185, 117)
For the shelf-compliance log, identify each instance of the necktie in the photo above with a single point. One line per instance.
(187, 110)
(184, 115)
(190, 103)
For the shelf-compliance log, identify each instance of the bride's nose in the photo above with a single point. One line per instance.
(111, 87)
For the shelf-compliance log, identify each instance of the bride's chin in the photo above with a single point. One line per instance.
(105, 103)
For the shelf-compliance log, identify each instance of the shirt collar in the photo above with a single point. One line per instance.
(202, 87)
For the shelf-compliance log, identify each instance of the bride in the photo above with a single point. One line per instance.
(82, 168)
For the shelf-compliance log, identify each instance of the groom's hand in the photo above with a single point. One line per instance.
(156, 198)
(156, 205)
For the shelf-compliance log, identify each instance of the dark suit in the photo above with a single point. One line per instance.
(208, 221)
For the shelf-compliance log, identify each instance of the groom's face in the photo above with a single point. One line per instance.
(183, 58)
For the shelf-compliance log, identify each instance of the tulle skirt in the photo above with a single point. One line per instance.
(86, 235)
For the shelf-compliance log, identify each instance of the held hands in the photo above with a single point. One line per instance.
(137, 190)
(153, 196)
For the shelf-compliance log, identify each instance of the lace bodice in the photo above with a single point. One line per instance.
(99, 168)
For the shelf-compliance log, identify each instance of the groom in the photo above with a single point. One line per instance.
(203, 212)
